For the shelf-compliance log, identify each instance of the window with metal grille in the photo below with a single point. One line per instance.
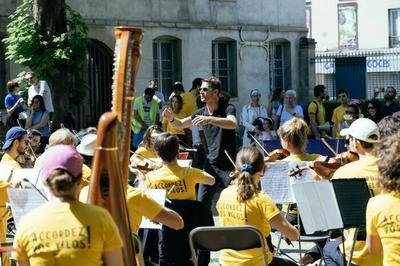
(394, 28)
(279, 58)
(166, 63)
(224, 65)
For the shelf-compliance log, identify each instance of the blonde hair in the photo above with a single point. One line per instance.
(294, 132)
(62, 136)
(249, 161)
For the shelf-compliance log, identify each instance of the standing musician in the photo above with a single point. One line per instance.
(65, 231)
(146, 147)
(218, 120)
(242, 203)
(179, 181)
(363, 135)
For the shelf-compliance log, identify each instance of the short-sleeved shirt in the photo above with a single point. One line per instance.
(256, 211)
(36, 89)
(8, 160)
(189, 103)
(383, 219)
(312, 109)
(10, 101)
(172, 129)
(37, 118)
(179, 181)
(337, 117)
(139, 205)
(217, 138)
(146, 152)
(388, 110)
(366, 167)
(286, 116)
(66, 233)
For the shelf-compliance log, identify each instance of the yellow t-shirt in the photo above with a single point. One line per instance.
(139, 204)
(366, 167)
(146, 152)
(86, 173)
(189, 103)
(337, 117)
(182, 180)
(301, 157)
(312, 108)
(383, 219)
(8, 160)
(3, 223)
(257, 211)
(66, 233)
(170, 128)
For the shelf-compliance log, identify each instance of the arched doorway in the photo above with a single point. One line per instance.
(99, 79)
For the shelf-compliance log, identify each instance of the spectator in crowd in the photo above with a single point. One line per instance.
(158, 94)
(13, 103)
(189, 100)
(176, 106)
(352, 114)
(268, 132)
(374, 110)
(73, 232)
(39, 87)
(316, 112)
(339, 111)
(39, 120)
(275, 100)
(383, 211)
(250, 113)
(242, 203)
(288, 110)
(145, 114)
(390, 106)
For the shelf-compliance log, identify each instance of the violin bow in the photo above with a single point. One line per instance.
(141, 156)
(328, 146)
(259, 144)
(337, 145)
(230, 158)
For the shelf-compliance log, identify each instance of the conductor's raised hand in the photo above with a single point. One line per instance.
(168, 113)
(202, 120)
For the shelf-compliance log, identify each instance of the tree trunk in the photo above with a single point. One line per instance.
(50, 18)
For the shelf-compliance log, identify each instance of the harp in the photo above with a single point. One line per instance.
(108, 183)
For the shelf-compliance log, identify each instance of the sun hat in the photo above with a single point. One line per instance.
(87, 145)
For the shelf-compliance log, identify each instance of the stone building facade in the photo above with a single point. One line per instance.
(248, 44)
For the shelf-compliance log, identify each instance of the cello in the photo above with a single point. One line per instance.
(108, 183)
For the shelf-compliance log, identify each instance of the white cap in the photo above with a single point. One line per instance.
(87, 145)
(363, 129)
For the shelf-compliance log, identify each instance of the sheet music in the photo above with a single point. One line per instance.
(317, 205)
(159, 196)
(181, 163)
(5, 172)
(23, 201)
(31, 174)
(277, 183)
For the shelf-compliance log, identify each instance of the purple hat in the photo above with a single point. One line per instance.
(63, 157)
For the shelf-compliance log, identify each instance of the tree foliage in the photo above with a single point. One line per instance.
(47, 54)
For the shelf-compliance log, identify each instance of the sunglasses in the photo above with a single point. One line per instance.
(350, 113)
(370, 107)
(205, 89)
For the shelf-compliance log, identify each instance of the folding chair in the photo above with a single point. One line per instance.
(137, 243)
(212, 238)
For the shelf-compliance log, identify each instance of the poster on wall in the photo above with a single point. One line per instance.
(347, 23)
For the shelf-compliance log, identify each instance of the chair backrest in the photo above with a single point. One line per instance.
(226, 237)
(138, 249)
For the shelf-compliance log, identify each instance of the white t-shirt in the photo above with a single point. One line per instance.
(36, 89)
(286, 116)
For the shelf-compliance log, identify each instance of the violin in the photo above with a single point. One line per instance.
(143, 164)
(323, 167)
(276, 155)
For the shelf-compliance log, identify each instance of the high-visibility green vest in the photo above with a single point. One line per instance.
(136, 126)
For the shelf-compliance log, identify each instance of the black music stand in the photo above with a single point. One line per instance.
(336, 204)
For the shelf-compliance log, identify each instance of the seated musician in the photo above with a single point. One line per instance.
(180, 182)
(15, 144)
(243, 204)
(66, 137)
(146, 147)
(383, 211)
(363, 135)
(65, 231)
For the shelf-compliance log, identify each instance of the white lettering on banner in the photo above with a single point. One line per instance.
(373, 65)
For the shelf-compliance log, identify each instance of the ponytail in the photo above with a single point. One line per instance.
(249, 161)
